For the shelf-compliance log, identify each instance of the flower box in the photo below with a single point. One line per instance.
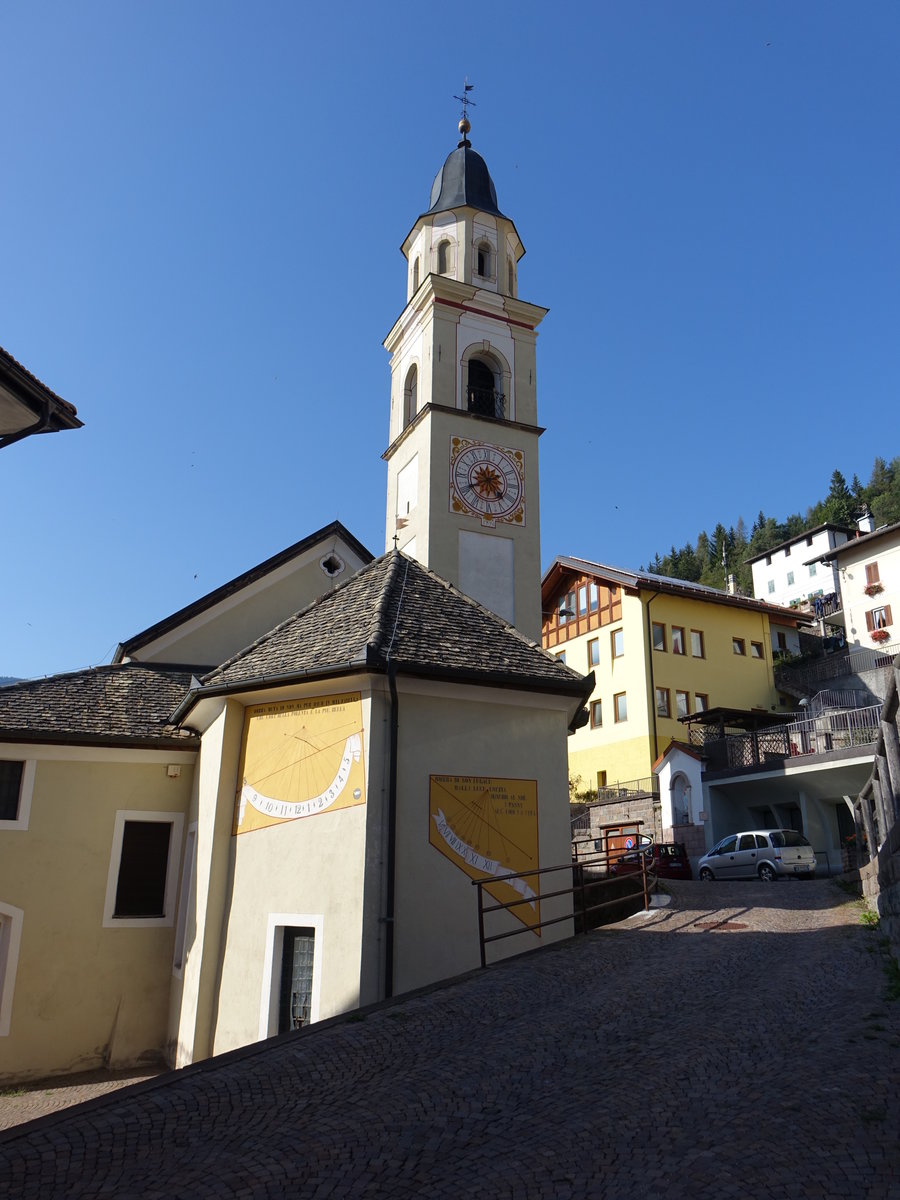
(872, 589)
(880, 635)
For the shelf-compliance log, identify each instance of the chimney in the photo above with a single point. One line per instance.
(865, 523)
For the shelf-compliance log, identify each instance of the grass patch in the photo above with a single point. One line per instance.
(848, 887)
(869, 918)
(8, 1093)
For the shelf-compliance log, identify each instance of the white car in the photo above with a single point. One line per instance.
(766, 853)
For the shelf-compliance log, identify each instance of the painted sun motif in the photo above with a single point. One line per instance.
(488, 482)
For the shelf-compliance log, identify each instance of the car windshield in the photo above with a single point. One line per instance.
(787, 837)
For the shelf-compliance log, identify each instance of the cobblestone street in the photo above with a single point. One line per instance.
(737, 1043)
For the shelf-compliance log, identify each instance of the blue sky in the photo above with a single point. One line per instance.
(200, 216)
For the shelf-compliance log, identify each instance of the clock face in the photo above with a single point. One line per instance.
(487, 481)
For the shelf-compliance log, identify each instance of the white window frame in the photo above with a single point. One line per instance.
(176, 820)
(11, 919)
(26, 788)
(271, 972)
(184, 899)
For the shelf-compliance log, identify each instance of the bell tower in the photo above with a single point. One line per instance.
(462, 461)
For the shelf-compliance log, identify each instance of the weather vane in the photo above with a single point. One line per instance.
(464, 98)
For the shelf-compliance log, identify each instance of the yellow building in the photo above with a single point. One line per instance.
(660, 649)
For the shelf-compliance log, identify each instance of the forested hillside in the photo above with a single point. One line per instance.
(722, 553)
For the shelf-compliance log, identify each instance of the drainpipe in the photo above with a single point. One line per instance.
(391, 837)
(652, 682)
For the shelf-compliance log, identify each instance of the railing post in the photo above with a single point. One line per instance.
(478, 885)
(644, 881)
(584, 913)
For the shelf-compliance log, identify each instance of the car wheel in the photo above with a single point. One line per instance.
(706, 875)
(766, 873)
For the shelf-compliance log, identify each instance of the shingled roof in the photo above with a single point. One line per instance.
(123, 705)
(395, 611)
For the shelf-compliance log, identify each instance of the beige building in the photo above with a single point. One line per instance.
(273, 806)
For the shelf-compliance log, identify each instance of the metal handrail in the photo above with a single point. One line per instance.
(603, 859)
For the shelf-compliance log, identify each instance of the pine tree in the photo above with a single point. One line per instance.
(839, 504)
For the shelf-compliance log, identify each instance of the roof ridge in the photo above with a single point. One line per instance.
(270, 633)
(166, 668)
(380, 616)
(489, 612)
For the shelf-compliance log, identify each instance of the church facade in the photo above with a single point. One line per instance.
(272, 806)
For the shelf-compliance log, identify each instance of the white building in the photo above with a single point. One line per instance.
(868, 571)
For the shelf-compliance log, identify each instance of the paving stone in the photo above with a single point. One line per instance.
(673, 1055)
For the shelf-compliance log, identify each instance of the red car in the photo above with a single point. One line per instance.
(666, 859)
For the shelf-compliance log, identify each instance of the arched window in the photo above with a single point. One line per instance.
(482, 396)
(410, 395)
(443, 257)
(416, 274)
(484, 259)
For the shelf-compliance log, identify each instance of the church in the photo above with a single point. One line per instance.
(271, 807)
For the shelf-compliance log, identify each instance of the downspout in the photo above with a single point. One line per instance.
(390, 889)
(652, 681)
(392, 836)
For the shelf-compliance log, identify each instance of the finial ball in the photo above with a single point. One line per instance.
(464, 126)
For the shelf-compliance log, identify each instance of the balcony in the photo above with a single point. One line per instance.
(486, 402)
(830, 731)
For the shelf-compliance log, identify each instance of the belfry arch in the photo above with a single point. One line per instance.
(486, 382)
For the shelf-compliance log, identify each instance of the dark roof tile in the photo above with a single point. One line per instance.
(396, 611)
(129, 703)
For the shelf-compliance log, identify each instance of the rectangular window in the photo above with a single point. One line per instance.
(297, 960)
(561, 655)
(596, 714)
(782, 641)
(141, 887)
(697, 643)
(756, 650)
(677, 639)
(16, 787)
(10, 789)
(682, 704)
(872, 575)
(768, 560)
(771, 586)
(812, 570)
(787, 552)
(809, 539)
(662, 702)
(737, 646)
(593, 597)
(790, 577)
(659, 636)
(582, 600)
(701, 702)
(879, 618)
(10, 940)
(621, 707)
(593, 653)
(601, 779)
(184, 898)
(617, 638)
(143, 869)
